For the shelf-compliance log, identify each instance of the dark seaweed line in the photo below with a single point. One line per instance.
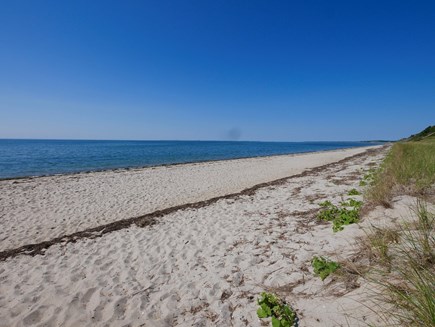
(151, 218)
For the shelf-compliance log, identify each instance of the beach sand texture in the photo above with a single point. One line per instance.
(39, 209)
(196, 267)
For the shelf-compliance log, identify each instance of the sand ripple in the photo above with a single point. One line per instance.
(197, 267)
(40, 209)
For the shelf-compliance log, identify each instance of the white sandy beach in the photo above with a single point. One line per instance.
(195, 267)
(39, 209)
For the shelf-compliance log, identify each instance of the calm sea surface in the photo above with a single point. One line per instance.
(20, 158)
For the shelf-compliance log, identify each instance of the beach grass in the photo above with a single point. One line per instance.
(405, 270)
(403, 257)
(409, 168)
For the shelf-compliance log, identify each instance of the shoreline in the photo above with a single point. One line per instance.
(150, 218)
(202, 263)
(131, 168)
(42, 209)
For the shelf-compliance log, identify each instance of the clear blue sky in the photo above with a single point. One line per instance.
(213, 70)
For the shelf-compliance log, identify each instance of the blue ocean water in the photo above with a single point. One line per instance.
(19, 158)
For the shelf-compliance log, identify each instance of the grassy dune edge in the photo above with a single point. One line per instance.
(404, 257)
(409, 168)
(395, 258)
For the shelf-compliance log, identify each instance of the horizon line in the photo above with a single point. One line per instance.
(181, 140)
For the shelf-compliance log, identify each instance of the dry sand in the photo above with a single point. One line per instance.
(197, 266)
(39, 209)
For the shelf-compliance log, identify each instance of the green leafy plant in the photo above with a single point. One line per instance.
(354, 192)
(325, 204)
(368, 179)
(271, 306)
(352, 203)
(323, 267)
(346, 214)
(329, 212)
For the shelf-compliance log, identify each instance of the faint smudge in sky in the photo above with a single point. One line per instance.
(234, 134)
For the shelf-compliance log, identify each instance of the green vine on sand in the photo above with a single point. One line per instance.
(346, 214)
(354, 192)
(271, 306)
(323, 267)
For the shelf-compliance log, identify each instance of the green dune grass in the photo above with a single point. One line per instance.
(406, 257)
(409, 168)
